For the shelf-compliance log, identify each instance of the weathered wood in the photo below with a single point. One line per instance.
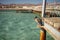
(52, 26)
(43, 34)
(54, 22)
(52, 31)
(42, 31)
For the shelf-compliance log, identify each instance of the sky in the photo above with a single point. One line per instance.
(24, 1)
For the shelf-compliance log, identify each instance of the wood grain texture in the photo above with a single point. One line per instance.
(54, 22)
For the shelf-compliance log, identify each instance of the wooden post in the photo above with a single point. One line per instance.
(42, 34)
(43, 31)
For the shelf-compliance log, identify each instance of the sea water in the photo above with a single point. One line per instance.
(19, 26)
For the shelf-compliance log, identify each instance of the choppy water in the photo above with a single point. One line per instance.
(19, 26)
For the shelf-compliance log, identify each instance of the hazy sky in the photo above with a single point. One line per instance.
(24, 1)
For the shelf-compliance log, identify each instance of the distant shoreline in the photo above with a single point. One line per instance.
(14, 9)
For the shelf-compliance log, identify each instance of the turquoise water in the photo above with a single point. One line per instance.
(19, 26)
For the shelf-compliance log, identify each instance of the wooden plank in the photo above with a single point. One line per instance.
(43, 34)
(53, 32)
(54, 22)
(49, 24)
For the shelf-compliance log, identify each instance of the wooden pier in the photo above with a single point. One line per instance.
(52, 26)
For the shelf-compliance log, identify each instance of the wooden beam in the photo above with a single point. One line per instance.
(42, 34)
